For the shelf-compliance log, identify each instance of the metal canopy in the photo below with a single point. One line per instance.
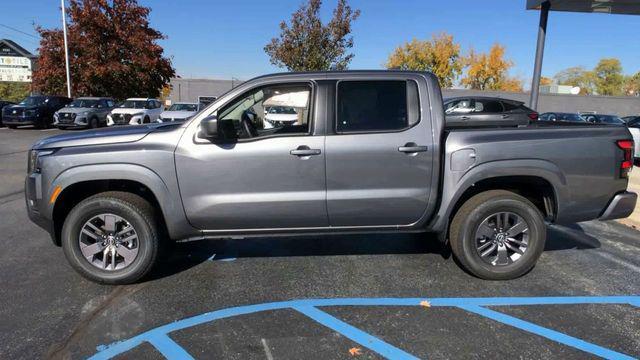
(628, 7)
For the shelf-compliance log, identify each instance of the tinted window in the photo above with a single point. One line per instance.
(375, 105)
(510, 106)
(634, 123)
(460, 106)
(488, 106)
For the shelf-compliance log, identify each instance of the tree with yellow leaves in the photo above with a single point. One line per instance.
(490, 71)
(440, 55)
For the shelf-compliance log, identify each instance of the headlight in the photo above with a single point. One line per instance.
(32, 165)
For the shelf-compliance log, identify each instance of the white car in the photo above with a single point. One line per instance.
(135, 111)
(633, 124)
(179, 112)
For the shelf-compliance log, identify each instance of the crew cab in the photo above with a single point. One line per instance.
(135, 111)
(370, 153)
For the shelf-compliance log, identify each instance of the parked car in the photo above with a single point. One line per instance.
(4, 103)
(633, 123)
(179, 112)
(602, 119)
(486, 111)
(36, 110)
(135, 111)
(372, 156)
(84, 112)
(562, 117)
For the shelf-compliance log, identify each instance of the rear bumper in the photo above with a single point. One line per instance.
(621, 206)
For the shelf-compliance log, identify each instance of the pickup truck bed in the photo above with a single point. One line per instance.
(361, 151)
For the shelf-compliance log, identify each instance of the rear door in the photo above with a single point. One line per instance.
(488, 112)
(379, 155)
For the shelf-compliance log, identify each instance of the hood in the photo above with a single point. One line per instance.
(113, 135)
(21, 107)
(126, 111)
(177, 114)
(74, 110)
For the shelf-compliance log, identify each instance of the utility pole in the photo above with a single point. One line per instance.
(537, 67)
(66, 47)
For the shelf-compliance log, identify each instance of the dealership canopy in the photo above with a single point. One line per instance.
(628, 7)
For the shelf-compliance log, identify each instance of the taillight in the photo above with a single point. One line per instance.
(627, 163)
(533, 116)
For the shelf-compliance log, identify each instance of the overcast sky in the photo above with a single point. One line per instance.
(224, 39)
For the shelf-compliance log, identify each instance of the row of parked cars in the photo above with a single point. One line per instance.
(90, 112)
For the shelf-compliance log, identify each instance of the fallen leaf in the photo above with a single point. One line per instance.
(425, 303)
(355, 351)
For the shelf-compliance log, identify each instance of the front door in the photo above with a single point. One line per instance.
(379, 159)
(271, 177)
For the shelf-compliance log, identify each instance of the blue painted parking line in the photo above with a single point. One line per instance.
(159, 337)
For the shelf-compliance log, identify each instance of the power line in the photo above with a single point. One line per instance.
(20, 31)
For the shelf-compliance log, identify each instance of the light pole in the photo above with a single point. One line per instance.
(66, 48)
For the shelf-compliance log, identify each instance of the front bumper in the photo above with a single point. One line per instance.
(621, 206)
(34, 200)
(20, 120)
(79, 122)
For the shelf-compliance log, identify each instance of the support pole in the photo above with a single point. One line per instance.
(66, 47)
(537, 68)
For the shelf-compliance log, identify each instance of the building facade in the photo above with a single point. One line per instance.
(16, 63)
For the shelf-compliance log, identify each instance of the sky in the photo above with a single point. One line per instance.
(223, 39)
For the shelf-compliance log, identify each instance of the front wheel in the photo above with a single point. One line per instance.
(498, 235)
(111, 238)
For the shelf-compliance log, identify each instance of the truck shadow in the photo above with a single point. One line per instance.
(183, 256)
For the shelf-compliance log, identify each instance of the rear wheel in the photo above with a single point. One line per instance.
(111, 238)
(498, 235)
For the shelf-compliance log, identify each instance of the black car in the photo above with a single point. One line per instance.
(602, 119)
(4, 103)
(629, 120)
(36, 110)
(562, 117)
(487, 111)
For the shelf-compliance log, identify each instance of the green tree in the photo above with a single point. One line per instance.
(490, 71)
(113, 51)
(608, 77)
(306, 44)
(577, 76)
(440, 55)
(14, 91)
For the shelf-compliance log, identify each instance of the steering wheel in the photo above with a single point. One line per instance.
(248, 128)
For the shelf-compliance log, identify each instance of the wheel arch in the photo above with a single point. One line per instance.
(78, 183)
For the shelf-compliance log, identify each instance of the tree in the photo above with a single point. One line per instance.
(609, 77)
(632, 85)
(112, 52)
(577, 76)
(14, 91)
(307, 45)
(490, 71)
(440, 55)
(545, 81)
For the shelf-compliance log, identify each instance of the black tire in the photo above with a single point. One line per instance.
(146, 120)
(137, 211)
(94, 123)
(12, 126)
(470, 216)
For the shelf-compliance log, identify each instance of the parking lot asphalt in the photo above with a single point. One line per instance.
(319, 297)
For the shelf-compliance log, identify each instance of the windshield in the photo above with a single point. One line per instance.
(133, 104)
(83, 103)
(282, 110)
(183, 107)
(571, 117)
(34, 101)
(610, 119)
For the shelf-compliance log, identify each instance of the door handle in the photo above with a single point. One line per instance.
(304, 150)
(505, 116)
(412, 148)
(465, 118)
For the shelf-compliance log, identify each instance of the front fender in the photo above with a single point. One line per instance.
(168, 198)
(456, 183)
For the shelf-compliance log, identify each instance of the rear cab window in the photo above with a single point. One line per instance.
(376, 106)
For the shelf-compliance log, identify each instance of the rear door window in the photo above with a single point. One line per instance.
(483, 106)
(376, 106)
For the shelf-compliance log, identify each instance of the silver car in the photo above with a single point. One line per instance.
(84, 112)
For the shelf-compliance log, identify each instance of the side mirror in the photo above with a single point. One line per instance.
(209, 127)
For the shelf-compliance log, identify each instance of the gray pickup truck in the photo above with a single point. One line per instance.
(361, 151)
